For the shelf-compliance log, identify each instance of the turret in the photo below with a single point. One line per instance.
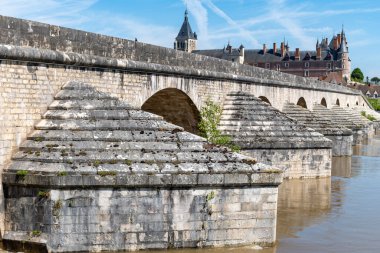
(186, 40)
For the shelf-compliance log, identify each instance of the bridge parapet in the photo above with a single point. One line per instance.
(25, 33)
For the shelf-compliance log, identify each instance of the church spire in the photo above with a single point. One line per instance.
(186, 38)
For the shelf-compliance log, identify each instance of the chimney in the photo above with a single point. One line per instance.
(336, 45)
(282, 49)
(297, 55)
(264, 49)
(274, 48)
(319, 53)
(339, 39)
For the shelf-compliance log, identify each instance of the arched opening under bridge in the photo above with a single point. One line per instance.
(265, 99)
(323, 102)
(302, 102)
(174, 106)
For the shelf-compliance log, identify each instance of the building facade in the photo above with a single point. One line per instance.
(329, 61)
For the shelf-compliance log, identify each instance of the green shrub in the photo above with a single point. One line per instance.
(211, 114)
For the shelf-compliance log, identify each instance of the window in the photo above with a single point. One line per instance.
(329, 65)
(307, 64)
(286, 65)
(233, 59)
(267, 65)
(306, 73)
(278, 67)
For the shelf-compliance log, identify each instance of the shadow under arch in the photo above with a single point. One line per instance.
(302, 102)
(337, 102)
(323, 102)
(174, 106)
(265, 99)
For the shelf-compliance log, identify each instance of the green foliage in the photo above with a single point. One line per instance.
(210, 196)
(368, 116)
(371, 117)
(36, 233)
(375, 103)
(211, 114)
(22, 173)
(62, 173)
(375, 80)
(357, 75)
(43, 194)
(57, 207)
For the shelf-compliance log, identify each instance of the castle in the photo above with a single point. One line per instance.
(329, 61)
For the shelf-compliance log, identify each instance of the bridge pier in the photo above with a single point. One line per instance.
(100, 175)
(341, 137)
(269, 135)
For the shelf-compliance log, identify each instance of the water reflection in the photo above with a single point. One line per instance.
(301, 203)
(341, 167)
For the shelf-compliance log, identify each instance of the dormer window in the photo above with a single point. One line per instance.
(307, 57)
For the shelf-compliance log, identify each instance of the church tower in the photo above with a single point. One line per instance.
(186, 40)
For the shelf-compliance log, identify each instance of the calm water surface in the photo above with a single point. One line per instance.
(341, 214)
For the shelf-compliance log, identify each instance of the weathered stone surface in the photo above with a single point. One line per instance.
(268, 134)
(341, 137)
(117, 178)
(361, 127)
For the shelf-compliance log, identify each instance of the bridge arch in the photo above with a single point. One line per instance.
(302, 102)
(174, 106)
(337, 102)
(323, 102)
(265, 99)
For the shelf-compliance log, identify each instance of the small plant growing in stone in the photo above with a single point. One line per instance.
(57, 207)
(39, 139)
(82, 153)
(107, 173)
(211, 114)
(128, 162)
(96, 163)
(62, 173)
(43, 194)
(113, 162)
(210, 196)
(21, 174)
(36, 233)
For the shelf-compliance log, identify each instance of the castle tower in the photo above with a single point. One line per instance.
(343, 56)
(186, 40)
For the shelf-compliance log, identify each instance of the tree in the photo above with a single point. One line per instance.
(375, 79)
(357, 75)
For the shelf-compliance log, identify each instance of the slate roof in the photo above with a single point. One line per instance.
(185, 32)
(87, 131)
(254, 124)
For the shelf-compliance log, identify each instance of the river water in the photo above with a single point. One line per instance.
(337, 214)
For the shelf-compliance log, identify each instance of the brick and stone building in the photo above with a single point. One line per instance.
(329, 61)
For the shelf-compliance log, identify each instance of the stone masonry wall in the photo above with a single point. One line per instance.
(296, 162)
(114, 219)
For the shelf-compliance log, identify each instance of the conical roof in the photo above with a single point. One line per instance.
(87, 132)
(254, 124)
(185, 32)
(313, 120)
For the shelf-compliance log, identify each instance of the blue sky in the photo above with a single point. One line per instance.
(250, 22)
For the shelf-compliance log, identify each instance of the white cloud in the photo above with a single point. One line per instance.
(60, 12)
(199, 12)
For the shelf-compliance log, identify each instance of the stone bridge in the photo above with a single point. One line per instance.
(38, 60)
